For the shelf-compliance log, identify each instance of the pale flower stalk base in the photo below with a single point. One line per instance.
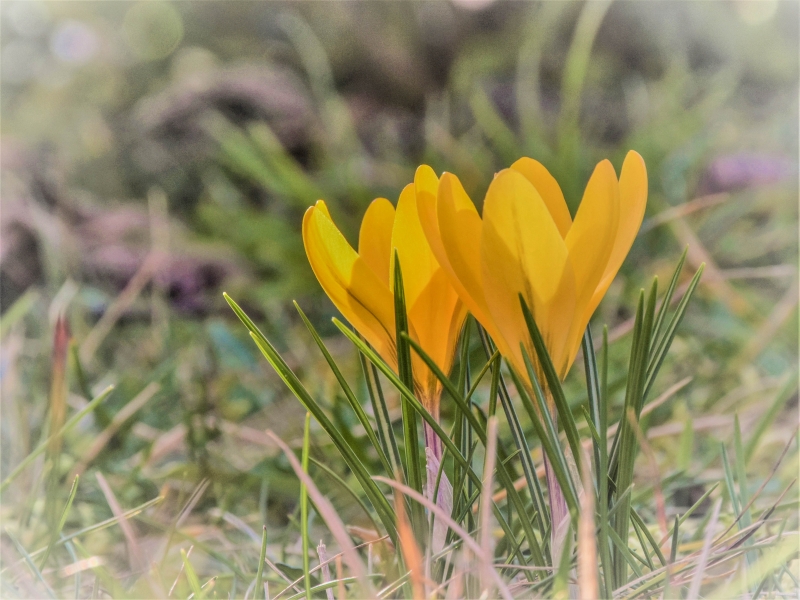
(444, 496)
(432, 441)
(559, 515)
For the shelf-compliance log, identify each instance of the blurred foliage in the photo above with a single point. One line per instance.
(201, 131)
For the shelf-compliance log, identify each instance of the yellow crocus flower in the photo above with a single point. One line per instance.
(527, 243)
(360, 284)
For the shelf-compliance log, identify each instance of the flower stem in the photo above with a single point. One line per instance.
(443, 490)
(558, 513)
(432, 441)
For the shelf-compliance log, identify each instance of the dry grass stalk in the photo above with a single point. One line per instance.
(135, 556)
(408, 546)
(118, 307)
(326, 570)
(697, 580)
(588, 582)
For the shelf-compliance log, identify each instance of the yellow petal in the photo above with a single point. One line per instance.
(408, 240)
(435, 312)
(426, 186)
(522, 252)
(548, 189)
(349, 282)
(460, 229)
(632, 203)
(375, 237)
(435, 321)
(320, 205)
(590, 241)
(425, 181)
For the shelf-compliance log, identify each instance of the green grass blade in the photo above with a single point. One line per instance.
(628, 444)
(741, 471)
(29, 560)
(603, 424)
(639, 522)
(633, 364)
(462, 433)
(590, 424)
(664, 308)
(518, 433)
(637, 529)
(64, 514)
(700, 528)
(503, 454)
(381, 412)
(17, 311)
(729, 482)
(64, 429)
(128, 514)
(548, 435)
(673, 549)
(446, 383)
(349, 490)
(657, 357)
(642, 364)
(553, 385)
(463, 356)
(593, 392)
(494, 384)
(80, 375)
(378, 500)
(191, 576)
(74, 557)
(745, 517)
(625, 553)
(502, 473)
(562, 573)
(697, 504)
(414, 466)
(603, 544)
(489, 366)
(348, 393)
(205, 589)
(261, 559)
(615, 508)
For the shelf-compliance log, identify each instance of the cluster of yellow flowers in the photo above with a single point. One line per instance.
(454, 261)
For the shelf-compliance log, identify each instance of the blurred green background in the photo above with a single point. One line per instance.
(155, 154)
